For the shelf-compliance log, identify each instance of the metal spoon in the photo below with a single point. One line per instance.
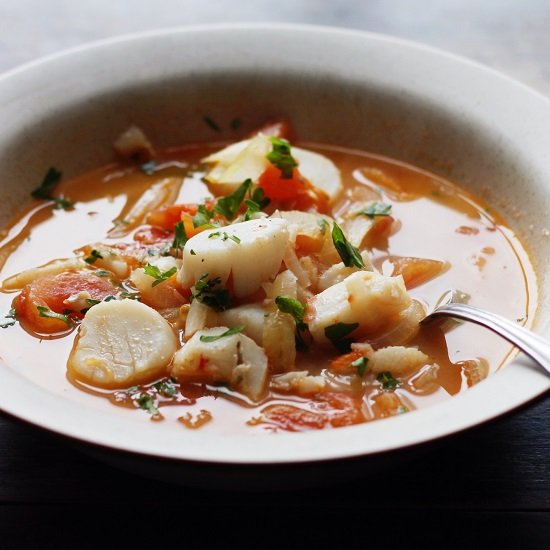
(532, 344)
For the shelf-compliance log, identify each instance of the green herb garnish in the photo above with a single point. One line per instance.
(211, 123)
(44, 191)
(281, 157)
(180, 237)
(296, 309)
(347, 252)
(130, 295)
(388, 381)
(166, 387)
(102, 273)
(228, 332)
(203, 216)
(47, 312)
(192, 252)
(211, 293)
(375, 209)
(94, 255)
(160, 277)
(337, 335)
(11, 315)
(147, 403)
(361, 365)
(229, 206)
(256, 203)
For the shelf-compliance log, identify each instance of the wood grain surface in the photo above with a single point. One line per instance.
(487, 488)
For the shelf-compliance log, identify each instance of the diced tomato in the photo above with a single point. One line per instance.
(275, 127)
(51, 292)
(416, 271)
(342, 409)
(342, 364)
(152, 235)
(294, 419)
(278, 188)
(168, 216)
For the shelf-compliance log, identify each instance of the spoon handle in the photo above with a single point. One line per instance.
(532, 344)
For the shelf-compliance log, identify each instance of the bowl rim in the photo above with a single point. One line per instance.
(517, 384)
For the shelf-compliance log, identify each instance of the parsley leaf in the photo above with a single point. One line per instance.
(44, 191)
(337, 335)
(375, 209)
(180, 237)
(347, 252)
(211, 293)
(388, 381)
(203, 216)
(147, 403)
(281, 157)
(130, 295)
(11, 315)
(361, 365)
(297, 310)
(47, 312)
(94, 255)
(228, 332)
(160, 277)
(228, 206)
(256, 203)
(102, 273)
(166, 387)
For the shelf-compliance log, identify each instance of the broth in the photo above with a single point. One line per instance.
(480, 255)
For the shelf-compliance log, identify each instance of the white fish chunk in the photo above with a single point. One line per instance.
(120, 344)
(235, 359)
(250, 251)
(370, 299)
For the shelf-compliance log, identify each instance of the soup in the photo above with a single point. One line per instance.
(264, 285)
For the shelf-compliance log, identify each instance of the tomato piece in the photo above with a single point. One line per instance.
(342, 364)
(168, 216)
(275, 127)
(417, 271)
(294, 419)
(152, 235)
(278, 188)
(342, 409)
(51, 292)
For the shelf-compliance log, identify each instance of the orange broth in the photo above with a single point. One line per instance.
(438, 221)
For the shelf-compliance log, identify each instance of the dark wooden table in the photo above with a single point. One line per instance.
(488, 487)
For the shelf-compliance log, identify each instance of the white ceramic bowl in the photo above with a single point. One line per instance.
(407, 101)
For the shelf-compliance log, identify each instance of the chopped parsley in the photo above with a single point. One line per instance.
(180, 237)
(224, 236)
(388, 381)
(296, 309)
(281, 157)
(94, 255)
(130, 295)
(11, 315)
(91, 302)
(149, 167)
(166, 387)
(160, 277)
(44, 191)
(347, 252)
(146, 402)
(192, 252)
(211, 293)
(102, 273)
(203, 216)
(361, 365)
(47, 312)
(337, 335)
(375, 209)
(228, 332)
(212, 123)
(229, 206)
(256, 203)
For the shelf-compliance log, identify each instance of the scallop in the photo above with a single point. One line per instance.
(120, 344)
